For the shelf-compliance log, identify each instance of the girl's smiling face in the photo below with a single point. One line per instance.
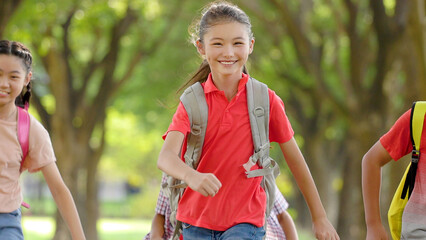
(13, 78)
(226, 47)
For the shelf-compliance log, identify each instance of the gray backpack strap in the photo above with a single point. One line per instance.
(258, 108)
(194, 101)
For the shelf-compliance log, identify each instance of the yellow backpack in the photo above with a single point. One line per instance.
(400, 198)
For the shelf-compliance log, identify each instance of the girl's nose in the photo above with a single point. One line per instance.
(228, 51)
(3, 81)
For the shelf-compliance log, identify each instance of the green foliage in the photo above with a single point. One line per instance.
(143, 204)
(131, 150)
(141, 110)
(40, 207)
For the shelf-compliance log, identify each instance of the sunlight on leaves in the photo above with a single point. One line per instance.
(152, 10)
(337, 184)
(284, 185)
(389, 6)
(118, 6)
(79, 14)
(45, 46)
(131, 151)
(300, 140)
(49, 103)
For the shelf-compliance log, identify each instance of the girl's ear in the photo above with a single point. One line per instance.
(28, 78)
(251, 46)
(200, 48)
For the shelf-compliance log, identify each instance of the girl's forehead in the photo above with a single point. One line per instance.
(228, 30)
(11, 63)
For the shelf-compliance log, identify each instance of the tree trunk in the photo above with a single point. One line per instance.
(417, 42)
(7, 9)
(92, 213)
(67, 155)
(318, 157)
(351, 210)
(346, 201)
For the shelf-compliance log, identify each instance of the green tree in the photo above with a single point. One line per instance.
(88, 50)
(338, 58)
(7, 9)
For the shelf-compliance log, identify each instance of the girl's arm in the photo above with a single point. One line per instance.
(372, 163)
(157, 227)
(296, 162)
(64, 200)
(287, 225)
(169, 162)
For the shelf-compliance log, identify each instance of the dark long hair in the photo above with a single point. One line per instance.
(19, 50)
(215, 13)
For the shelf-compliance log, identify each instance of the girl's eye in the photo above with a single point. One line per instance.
(217, 44)
(238, 43)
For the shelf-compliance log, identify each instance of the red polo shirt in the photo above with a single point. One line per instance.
(227, 146)
(397, 142)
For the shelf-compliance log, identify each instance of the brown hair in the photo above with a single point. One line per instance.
(19, 50)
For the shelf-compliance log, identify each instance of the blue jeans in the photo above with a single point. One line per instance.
(10, 225)
(242, 231)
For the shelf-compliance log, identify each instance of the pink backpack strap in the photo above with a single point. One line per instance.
(23, 128)
(23, 132)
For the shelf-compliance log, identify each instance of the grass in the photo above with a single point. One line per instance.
(41, 228)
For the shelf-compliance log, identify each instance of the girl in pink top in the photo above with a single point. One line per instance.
(15, 85)
(221, 201)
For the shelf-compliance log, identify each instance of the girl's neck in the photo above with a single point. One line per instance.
(8, 112)
(227, 84)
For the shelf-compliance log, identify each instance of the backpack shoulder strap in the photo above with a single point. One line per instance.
(258, 108)
(418, 111)
(194, 101)
(417, 120)
(23, 128)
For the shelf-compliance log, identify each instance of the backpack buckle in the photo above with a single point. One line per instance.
(196, 130)
(415, 156)
(259, 112)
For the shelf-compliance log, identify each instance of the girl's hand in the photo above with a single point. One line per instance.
(323, 230)
(376, 232)
(63, 198)
(205, 183)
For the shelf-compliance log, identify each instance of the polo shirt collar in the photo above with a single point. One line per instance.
(210, 87)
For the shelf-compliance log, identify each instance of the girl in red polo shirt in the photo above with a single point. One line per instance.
(221, 202)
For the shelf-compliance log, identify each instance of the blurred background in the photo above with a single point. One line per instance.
(106, 74)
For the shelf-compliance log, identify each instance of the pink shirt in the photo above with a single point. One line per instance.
(397, 143)
(40, 154)
(228, 145)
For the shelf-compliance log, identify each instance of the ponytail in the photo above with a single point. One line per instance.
(23, 100)
(199, 76)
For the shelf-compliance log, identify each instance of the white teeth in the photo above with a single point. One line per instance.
(227, 63)
(3, 92)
